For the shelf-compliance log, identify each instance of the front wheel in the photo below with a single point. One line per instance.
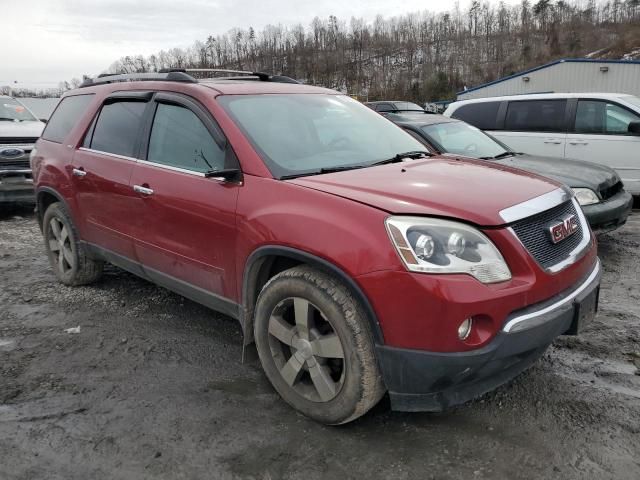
(316, 347)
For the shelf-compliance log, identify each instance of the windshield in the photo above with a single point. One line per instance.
(12, 110)
(632, 99)
(463, 139)
(407, 106)
(305, 133)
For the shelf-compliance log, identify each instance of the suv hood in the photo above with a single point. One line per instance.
(574, 173)
(471, 190)
(20, 130)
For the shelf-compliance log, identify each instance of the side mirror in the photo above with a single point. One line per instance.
(634, 128)
(226, 175)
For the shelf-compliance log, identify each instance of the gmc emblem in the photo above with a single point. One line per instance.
(563, 229)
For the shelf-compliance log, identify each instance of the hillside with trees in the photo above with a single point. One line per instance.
(420, 56)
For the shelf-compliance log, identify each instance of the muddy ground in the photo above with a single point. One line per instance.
(153, 387)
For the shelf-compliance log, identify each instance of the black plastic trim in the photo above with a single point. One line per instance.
(192, 292)
(131, 95)
(251, 277)
(51, 191)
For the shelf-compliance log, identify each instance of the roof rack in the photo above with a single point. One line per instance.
(182, 75)
(262, 76)
(104, 78)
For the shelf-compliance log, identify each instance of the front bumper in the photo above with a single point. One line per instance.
(16, 186)
(431, 381)
(610, 214)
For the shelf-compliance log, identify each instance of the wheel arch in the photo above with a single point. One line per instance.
(267, 261)
(45, 196)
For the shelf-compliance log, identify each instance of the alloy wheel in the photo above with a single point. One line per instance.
(61, 246)
(306, 349)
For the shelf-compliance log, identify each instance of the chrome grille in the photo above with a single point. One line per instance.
(15, 165)
(533, 233)
(10, 141)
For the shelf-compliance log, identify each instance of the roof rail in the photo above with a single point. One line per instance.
(262, 76)
(173, 76)
(181, 75)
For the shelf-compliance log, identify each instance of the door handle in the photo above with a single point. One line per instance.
(578, 143)
(142, 190)
(553, 142)
(79, 172)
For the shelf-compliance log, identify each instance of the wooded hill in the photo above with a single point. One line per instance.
(420, 56)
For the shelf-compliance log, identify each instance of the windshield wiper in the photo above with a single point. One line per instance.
(398, 158)
(323, 170)
(7, 119)
(401, 156)
(499, 156)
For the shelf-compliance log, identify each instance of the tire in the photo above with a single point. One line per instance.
(305, 321)
(67, 255)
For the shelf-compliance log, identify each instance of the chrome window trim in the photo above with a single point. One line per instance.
(516, 324)
(172, 168)
(535, 205)
(577, 252)
(108, 154)
(153, 164)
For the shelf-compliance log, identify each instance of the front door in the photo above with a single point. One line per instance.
(186, 236)
(102, 169)
(601, 135)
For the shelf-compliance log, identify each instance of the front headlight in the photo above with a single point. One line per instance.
(433, 245)
(585, 196)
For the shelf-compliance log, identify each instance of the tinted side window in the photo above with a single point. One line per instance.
(600, 117)
(117, 128)
(180, 139)
(536, 116)
(481, 115)
(65, 117)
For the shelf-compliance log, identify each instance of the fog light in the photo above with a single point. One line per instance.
(464, 330)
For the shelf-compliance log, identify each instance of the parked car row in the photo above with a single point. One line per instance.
(599, 128)
(597, 188)
(356, 258)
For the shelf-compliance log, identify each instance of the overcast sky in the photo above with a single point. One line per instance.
(45, 41)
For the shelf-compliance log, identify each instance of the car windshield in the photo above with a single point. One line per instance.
(408, 106)
(14, 111)
(633, 100)
(305, 133)
(463, 139)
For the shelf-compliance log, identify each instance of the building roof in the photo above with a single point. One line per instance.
(546, 65)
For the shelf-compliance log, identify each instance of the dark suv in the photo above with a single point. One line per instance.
(350, 255)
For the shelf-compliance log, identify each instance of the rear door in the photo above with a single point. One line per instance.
(186, 234)
(102, 169)
(537, 127)
(600, 134)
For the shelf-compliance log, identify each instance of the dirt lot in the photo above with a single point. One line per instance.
(153, 387)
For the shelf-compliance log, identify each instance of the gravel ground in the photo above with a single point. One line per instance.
(153, 387)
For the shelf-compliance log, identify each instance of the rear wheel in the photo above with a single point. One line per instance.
(315, 346)
(67, 256)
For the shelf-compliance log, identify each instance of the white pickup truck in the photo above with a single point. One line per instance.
(19, 130)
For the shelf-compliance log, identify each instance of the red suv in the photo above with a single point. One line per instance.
(356, 261)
